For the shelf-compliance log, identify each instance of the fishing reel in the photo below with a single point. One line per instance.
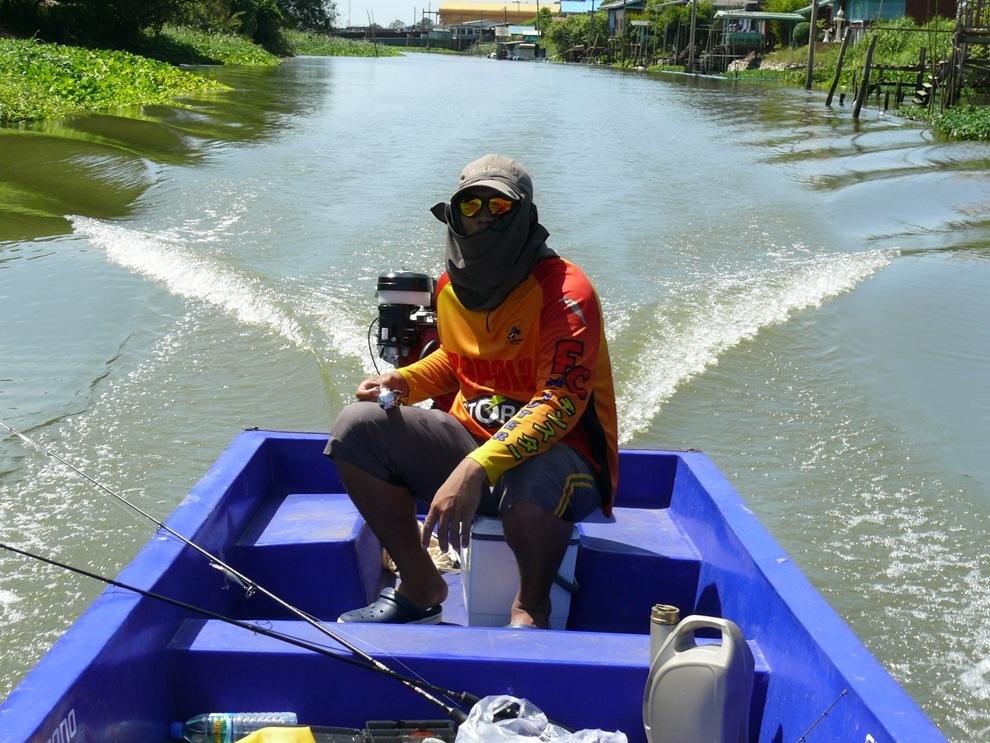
(407, 320)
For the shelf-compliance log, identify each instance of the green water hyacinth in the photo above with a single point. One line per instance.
(321, 45)
(183, 45)
(47, 80)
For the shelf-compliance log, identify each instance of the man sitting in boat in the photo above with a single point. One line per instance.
(531, 434)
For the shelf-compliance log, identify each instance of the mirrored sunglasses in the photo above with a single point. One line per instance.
(497, 206)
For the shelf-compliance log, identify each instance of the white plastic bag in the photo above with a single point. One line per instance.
(527, 725)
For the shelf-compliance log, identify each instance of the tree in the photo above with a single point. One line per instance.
(424, 24)
(543, 19)
(310, 15)
(113, 22)
(573, 37)
(397, 25)
(782, 29)
(666, 20)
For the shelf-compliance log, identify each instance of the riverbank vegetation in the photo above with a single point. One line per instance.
(47, 80)
(900, 43)
(99, 54)
(962, 122)
(321, 45)
(185, 45)
(576, 37)
(428, 50)
(586, 38)
(125, 24)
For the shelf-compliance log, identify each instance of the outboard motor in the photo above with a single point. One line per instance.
(407, 325)
(407, 321)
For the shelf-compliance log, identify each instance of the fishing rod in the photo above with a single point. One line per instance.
(462, 697)
(249, 586)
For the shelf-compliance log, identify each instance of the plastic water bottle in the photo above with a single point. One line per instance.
(227, 727)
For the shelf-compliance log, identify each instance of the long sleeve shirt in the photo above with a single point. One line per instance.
(530, 373)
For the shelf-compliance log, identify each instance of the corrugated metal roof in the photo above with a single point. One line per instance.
(806, 10)
(757, 15)
(615, 4)
(523, 30)
(579, 6)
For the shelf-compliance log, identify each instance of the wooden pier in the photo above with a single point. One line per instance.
(972, 29)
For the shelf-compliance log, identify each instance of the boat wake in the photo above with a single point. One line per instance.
(7, 601)
(316, 321)
(168, 262)
(707, 320)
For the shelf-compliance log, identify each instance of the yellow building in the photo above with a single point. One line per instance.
(502, 12)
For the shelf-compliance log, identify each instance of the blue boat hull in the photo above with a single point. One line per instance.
(273, 507)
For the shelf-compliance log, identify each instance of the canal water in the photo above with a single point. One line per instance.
(803, 298)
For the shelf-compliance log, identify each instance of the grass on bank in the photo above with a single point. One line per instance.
(320, 45)
(40, 81)
(896, 48)
(961, 122)
(899, 44)
(182, 45)
(900, 48)
(427, 50)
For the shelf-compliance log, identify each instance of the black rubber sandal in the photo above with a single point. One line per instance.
(393, 608)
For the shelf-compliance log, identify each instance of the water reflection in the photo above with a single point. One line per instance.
(98, 165)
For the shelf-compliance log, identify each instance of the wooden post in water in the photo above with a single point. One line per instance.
(371, 28)
(838, 69)
(694, 22)
(920, 78)
(812, 38)
(864, 86)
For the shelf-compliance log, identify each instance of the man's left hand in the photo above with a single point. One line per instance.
(454, 506)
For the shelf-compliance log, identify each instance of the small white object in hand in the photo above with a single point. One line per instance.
(387, 399)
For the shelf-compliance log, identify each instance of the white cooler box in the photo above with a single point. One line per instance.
(490, 577)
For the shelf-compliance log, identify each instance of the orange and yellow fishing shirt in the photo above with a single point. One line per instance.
(530, 373)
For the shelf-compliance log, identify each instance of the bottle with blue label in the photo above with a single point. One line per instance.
(227, 727)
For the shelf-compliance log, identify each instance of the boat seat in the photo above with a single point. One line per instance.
(313, 550)
(220, 665)
(626, 566)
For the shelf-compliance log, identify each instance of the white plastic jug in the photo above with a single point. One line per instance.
(700, 692)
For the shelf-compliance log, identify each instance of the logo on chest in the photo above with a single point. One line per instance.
(492, 411)
(515, 335)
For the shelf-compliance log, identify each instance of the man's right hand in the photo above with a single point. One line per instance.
(368, 389)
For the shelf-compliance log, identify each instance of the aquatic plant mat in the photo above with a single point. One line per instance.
(183, 45)
(47, 80)
(320, 45)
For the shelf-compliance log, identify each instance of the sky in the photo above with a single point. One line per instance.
(383, 11)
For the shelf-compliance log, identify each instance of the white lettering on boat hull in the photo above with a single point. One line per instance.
(66, 729)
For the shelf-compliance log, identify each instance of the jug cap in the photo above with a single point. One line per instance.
(665, 614)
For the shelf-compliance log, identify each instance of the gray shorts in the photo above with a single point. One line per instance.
(418, 448)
